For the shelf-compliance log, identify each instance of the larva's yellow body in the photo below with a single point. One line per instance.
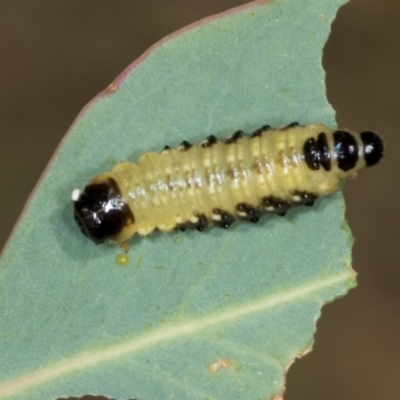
(241, 178)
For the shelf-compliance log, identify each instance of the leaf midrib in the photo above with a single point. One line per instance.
(166, 333)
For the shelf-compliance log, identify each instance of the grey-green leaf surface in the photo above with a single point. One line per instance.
(217, 315)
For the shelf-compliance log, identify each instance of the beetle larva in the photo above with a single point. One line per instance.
(217, 182)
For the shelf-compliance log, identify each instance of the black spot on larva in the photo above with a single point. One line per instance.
(184, 146)
(373, 148)
(275, 204)
(100, 211)
(183, 227)
(346, 150)
(166, 147)
(323, 151)
(292, 125)
(202, 223)
(310, 153)
(259, 131)
(233, 138)
(224, 219)
(247, 212)
(209, 141)
(307, 198)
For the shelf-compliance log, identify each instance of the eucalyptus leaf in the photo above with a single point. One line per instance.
(213, 315)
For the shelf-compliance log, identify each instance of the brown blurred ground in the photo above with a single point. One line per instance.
(55, 56)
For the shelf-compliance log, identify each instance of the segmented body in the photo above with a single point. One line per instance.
(218, 182)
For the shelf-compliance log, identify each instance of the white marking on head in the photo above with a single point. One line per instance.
(75, 194)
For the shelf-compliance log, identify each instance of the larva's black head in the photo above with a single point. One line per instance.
(374, 148)
(100, 211)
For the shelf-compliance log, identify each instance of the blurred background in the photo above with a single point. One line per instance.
(56, 56)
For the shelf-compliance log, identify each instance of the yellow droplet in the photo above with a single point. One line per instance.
(122, 260)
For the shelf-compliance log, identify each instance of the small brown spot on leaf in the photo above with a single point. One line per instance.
(113, 87)
(125, 246)
(220, 363)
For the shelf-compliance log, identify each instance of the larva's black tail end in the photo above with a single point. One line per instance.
(100, 211)
(374, 148)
